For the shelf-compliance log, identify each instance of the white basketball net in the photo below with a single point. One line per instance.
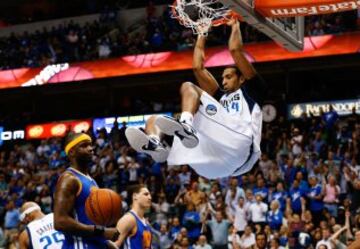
(207, 13)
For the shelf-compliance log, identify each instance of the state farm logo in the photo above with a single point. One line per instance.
(58, 130)
(36, 131)
(315, 9)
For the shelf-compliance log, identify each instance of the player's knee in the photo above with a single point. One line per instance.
(188, 88)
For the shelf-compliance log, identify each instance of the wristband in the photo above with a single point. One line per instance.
(99, 230)
(116, 236)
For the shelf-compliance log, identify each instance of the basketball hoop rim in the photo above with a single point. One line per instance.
(217, 22)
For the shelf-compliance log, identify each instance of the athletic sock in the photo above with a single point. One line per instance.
(187, 118)
(157, 138)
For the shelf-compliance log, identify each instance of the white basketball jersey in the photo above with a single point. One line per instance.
(229, 134)
(43, 235)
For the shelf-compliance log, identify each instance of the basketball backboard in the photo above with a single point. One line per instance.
(288, 32)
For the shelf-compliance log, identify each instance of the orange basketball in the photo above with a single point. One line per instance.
(103, 206)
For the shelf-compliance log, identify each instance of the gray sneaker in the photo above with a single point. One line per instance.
(172, 127)
(143, 143)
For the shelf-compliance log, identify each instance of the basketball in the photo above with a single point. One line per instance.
(103, 207)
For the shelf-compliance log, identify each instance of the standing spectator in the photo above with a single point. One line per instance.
(161, 209)
(115, 133)
(11, 219)
(295, 197)
(296, 142)
(265, 165)
(275, 216)
(331, 195)
(315, 196)
(261, 189)
(184, 176)
(280, 195)
(258, 211)
(175, 228)
(240, 219)
(219, 231)
(192, 222)
(234, 190)
(330, 118)
(194, 196)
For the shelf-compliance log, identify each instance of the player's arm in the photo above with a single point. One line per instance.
(236, 49)
(65, 196)
(24, 240)
(124, 226)
(205, 79)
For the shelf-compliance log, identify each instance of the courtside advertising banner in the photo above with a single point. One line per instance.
(8, 134)
(315, 46)
(342, 107)
(56, 129)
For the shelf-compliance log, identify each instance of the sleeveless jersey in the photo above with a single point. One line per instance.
(141, 238)
(42, 234)
(229, 130)
(76, 242)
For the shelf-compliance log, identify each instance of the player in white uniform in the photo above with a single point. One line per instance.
(39, 232)
(219, 131)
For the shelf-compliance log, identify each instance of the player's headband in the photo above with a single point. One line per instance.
(76, 141)
(28, 211)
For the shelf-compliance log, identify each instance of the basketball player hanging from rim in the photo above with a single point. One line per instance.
(219, 130)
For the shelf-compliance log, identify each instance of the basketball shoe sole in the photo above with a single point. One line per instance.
(183, 131)
(142, 143)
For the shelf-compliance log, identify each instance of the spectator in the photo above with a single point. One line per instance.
(275, 216)
(325, 239)
(202, 243)
(258, 211)
(241, 216)
(331, 195)
(315, 196)
(247, 240)
(261, 241)
(219, 231)
(192, 222)
(194, 196)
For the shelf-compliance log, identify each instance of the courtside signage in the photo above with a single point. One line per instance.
(292, 8)
(9, 135)
(56, 129)
(342, 107)
(316, 46)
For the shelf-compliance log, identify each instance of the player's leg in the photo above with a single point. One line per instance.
(190, 101)
(148, 141)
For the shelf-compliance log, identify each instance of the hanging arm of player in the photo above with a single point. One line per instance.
(205, 79)
(237, 52)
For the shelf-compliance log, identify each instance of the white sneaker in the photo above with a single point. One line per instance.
(172, 127)
(143, 143)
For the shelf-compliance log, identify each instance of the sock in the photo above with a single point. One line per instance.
(187, 117)
(157, 138)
